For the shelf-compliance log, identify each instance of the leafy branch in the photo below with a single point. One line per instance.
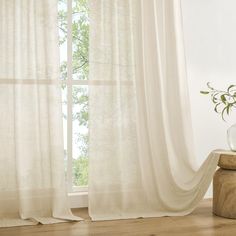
(224, 101)
(80, 68)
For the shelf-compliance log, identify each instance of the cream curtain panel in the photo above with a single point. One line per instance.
(32, 185)
(141, 153)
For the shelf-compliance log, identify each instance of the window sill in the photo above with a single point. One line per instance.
(78, 199)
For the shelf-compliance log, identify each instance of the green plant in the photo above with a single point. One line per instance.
(224, 101)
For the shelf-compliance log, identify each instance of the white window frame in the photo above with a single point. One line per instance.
(78, 196)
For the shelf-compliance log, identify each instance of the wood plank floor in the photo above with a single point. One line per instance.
(200, 222)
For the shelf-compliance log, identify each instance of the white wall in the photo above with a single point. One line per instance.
(210, 40)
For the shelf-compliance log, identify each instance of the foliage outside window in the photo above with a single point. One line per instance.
(80, 68)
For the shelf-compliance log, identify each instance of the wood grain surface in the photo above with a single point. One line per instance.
(200, 223)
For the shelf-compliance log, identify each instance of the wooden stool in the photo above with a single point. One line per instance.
(224, 187)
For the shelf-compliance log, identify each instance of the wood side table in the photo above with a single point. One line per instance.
(224, 187)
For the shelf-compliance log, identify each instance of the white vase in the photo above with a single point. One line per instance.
(231, 136)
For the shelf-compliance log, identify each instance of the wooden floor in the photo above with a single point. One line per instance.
(200, 222)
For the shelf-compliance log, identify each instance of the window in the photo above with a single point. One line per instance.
(74, 39)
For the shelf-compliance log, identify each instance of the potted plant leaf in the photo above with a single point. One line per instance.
(224, 102)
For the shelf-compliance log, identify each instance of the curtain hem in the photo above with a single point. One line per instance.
(13, 222)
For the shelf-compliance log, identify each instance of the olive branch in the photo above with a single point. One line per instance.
(224, 101)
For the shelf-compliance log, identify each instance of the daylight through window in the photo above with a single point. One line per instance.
(74, 40)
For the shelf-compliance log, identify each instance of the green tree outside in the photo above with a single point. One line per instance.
(80, 67)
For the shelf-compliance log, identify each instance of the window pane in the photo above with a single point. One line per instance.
(80, 135)
(80, 39)
(77, 171)
(62, 25)
(64, 114)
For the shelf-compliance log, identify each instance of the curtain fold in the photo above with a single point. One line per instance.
(142, 161)
(32, 182)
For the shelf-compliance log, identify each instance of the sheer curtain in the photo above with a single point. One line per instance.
(32, 185)
(142, 162)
